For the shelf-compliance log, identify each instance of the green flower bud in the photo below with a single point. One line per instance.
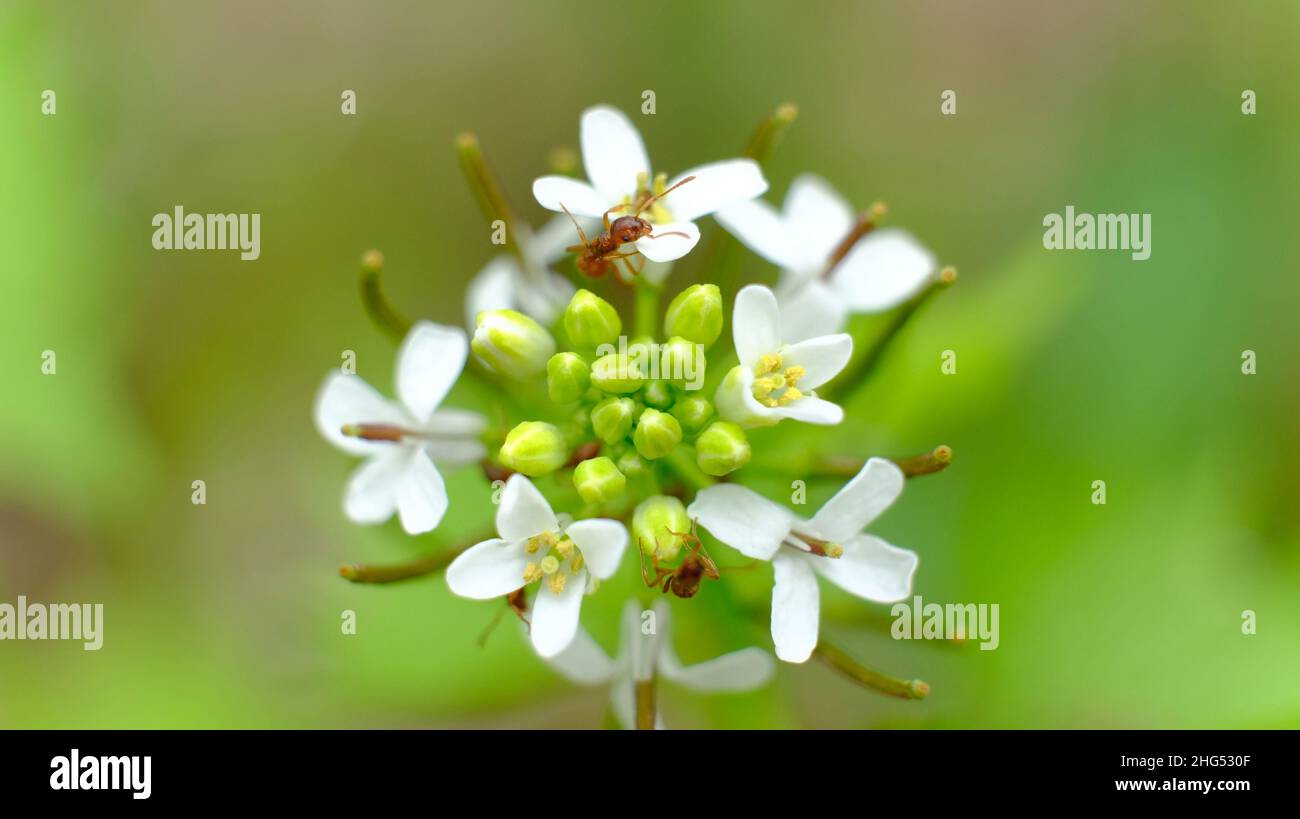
(695, 314)
(612, 418)
(722, 448)
(598, 480)
(693, 412)
(658, 394)
(567, 377)
(618, 373)
(534, 448)
(657, 434)
(590, 321)
(630, 464)
(511, 343)
(658, 526)
(682, 362)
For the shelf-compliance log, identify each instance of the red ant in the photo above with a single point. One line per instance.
(683, 581)
(596, 255)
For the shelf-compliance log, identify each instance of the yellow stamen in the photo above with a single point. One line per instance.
(578, 562)
(564, 548)
(834, 550)
(793, 374)
(769, 363)
(557, 582)
(532, 572)
(789, 396)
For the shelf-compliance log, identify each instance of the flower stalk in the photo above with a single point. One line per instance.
(876, 681)
(392, 323)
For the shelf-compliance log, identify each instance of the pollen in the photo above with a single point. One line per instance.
(532, 572)
(536, 542)
(578, 562)
(564, 548)
(557, 581)
(775, 386)
(834, 550)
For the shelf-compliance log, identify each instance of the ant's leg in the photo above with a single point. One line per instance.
(581, 235)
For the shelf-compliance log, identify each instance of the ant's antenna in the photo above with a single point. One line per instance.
(647, 203)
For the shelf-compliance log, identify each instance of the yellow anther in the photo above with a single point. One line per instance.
(763, 386)
(793, 374)
(557, 582)
(790, 396)
(769, 363)
(769, 402)
(564, 548)
(536, 542)
(578, 562)
(661, 183)
(834, 550)
(532, 572)
(550, 564)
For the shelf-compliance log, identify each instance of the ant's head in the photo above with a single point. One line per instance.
(626, 229)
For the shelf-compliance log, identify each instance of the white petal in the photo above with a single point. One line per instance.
(669, 241)
(755, 324)
(622, 699)
(877, 485)
(456, 451)
(428, 364)
(346, 399)
(371, 493)
(656, 272)
(818, 216)
(545, 300)
(584, 662)
(547, 245)
(737, 671)
(760, 228)
(601, 541)
(884, 269)
(735, 402)
(492, 289)
(489, 569)
(821, 357)
(870, 568)
(810, 308)
(612, 152)
(455, 422)
(523, 511)
(555, 616)
(421, 495)
(580, 198)
(796, 607)
(715, 186)
(743, 519)
(812, 410)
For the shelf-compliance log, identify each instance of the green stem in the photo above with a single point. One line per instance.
(646, 308)
(360, 573)
(885, 684)
(679, 462)
(855, 375)
(488, 193)
(392, 323)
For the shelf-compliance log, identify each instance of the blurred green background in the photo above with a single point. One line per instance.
(1072, 367)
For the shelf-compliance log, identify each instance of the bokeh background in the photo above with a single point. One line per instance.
(1072, 367)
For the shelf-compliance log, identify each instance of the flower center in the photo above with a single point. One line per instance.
(658, 213)
(814, 545)
(558, 558)
(776, 383)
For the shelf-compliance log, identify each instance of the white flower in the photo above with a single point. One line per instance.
(775, 380)
(402, 440)
(642, 657)
(620, 174)
(531, 288)
(831, 544)
(883, 269)
(534, 545)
